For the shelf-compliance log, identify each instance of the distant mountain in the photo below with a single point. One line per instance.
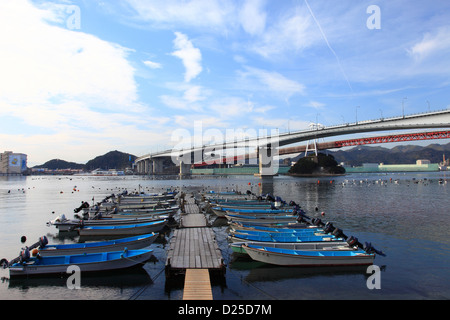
(56, 164)
(111, 160)
(403, 154)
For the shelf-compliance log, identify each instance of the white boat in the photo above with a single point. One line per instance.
(129, 229)
(285, 228)
(63, 224)
(91, 262)
(281, 238)
(320, 245)
(130, 243)
(262, 220)
(289, 257)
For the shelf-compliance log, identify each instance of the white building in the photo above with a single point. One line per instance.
(12, 163)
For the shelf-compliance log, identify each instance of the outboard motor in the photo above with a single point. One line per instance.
(43, 241)
(369, 249)
(24, 255)
(328, 227)
(338, 233)
(352, 241)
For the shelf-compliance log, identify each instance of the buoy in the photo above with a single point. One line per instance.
(34, 252)
(323, 213)
(23, 239)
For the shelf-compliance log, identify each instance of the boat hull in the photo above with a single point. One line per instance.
(136, 229)
(131, 243)
(284, 257)
(71, 225)
(321, 245)
(281, 239)
(94, 262)
(261, 220)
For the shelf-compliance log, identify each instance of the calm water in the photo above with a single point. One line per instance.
(404, 215)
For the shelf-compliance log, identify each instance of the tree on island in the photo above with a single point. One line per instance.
(316, 165)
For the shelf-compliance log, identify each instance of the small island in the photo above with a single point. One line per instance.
(320, 165)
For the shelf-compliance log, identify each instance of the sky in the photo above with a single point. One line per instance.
(81, 78)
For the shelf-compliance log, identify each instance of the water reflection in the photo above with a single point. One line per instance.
(135, 276)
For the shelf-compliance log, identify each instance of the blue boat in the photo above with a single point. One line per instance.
(288, 257)
(131, 243)
(90, 262)
(257, 210)
(133, 229)
(286, 232)
(293, 226)
(282, 238)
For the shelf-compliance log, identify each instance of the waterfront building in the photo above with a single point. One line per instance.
(12, 163)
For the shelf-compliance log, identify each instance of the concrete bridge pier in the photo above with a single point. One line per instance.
(157, 167)
(268, 166)
(185, 169)
(148, 166)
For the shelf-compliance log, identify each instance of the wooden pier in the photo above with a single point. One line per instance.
(194, 252)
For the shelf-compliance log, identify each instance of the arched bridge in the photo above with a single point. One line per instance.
(267, 146)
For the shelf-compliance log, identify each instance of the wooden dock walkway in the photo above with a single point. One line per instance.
(197, 285)
(193, 251)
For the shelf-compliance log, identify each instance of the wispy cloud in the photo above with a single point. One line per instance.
(270, 81)
(432, 43)
(189, 55)
(152, 65)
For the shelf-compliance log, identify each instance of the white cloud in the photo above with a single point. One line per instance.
(152, 65)
(292, 32)
(272, 82)
(431, 44)
(41, 62)
(315, 105)
(214, 14)
(189, 55)
(67, 89)
(194, 94)
(252, 17)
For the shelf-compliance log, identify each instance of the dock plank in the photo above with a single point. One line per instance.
(193, 246)
(197, 285)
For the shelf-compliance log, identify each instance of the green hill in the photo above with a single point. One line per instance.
(111, 160)
(57, 164)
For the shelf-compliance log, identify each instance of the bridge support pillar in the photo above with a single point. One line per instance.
(148, 166)
(185, 169)
(268, 166)
(157, 166)
(140, 166)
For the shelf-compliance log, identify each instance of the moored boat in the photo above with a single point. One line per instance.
(289, 257)
(320, 245)
(63, 224)
(129, 229)
(284, 228)
(261, 220)
(282, 238)
(130, 243)
(90, 262)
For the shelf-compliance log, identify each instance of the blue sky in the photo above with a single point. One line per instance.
(81, 78)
